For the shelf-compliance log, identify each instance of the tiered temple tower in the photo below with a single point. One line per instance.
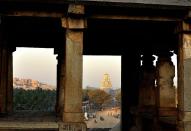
(106, 82)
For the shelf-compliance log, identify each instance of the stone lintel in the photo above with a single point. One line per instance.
(73, 117)
(74, 23)
(77, 9)
(186, 26)
(183, 27)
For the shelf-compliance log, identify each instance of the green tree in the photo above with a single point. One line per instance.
(118, 96)
(98, 97)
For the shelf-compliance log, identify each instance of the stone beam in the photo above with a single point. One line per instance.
(35, 14)
(128, 17)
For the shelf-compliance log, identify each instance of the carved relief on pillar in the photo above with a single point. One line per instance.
(72, 127)
(184, 77)
(165, 85)
(187, 46)
(187, 71)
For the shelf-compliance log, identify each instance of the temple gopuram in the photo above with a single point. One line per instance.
(106, 82)
(134, 29)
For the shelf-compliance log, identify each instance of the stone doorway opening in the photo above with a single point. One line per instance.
(34, 80)
(101, 91)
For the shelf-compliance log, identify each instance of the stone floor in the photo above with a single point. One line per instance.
(103, 120)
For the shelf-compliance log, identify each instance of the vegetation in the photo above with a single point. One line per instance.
(45, 100)
(96, 96)
(39, 100)
(118, 96)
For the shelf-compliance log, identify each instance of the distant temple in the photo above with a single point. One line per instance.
(106, 82)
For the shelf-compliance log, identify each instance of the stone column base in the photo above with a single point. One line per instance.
(167, 111)
(73, 117)
(184, 126)
(75, 126)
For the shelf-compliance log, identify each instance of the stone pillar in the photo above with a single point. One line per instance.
(147, 93)
(3, 79)
(74, 25)
(184, 77)
(166, 90)
(10, 81)
(60, 83)
(147, 86)
(130, 90)
(58, 87)
(6, 80)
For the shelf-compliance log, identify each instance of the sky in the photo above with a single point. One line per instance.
(40, 64)
(94, 67)
(35, 63)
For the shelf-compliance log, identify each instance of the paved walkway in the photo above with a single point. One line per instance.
(108, 121)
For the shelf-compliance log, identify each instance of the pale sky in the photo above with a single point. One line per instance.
(35, 63)
(94, 67)
(40, 64)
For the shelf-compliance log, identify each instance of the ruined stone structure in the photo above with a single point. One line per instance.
(103, 27)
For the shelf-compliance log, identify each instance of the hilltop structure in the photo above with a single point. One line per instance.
(30, 84)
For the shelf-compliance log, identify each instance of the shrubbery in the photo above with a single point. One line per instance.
(38, 100)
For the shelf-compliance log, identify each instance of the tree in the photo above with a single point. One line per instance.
(85, 95)
(118, 96)
(98, 97)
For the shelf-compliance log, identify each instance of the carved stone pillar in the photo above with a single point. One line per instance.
(74, 25)
(147, 86)
(60, 83)
(147, 93)
(184, 78)
(165, 86)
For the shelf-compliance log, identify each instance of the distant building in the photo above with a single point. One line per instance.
(106, 82)
(29, 84)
